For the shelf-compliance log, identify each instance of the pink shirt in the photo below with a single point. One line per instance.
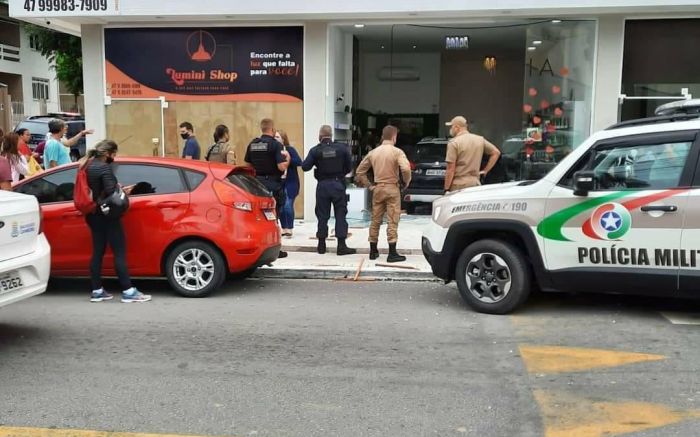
(5, 170)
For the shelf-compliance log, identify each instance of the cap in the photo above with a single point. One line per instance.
(457, 121)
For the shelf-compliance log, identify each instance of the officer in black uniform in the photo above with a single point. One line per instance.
(269, 159)
(333, 162)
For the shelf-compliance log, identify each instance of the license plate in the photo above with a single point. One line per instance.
(10, 282)
(270, 215)
(435, 172)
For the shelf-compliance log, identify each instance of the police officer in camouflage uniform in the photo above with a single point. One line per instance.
(333, 162)
(221, 150)
(269, 159)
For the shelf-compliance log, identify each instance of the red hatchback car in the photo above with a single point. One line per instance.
(193, 222)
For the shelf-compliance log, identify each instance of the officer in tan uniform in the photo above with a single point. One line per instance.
(386, 162)
(464, 153)
(221, 150)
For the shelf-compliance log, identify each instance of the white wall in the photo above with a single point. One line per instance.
(608, 76)
(93, 80)
(33, 64)
(400, 97)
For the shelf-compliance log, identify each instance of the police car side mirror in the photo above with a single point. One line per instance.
(584, 182)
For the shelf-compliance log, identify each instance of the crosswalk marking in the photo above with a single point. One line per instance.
(679, 318)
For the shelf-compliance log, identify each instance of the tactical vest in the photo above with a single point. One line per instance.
(329, 161)
(217, 153)
(262, 157)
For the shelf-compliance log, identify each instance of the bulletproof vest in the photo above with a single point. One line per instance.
(262, 157)
(329, 161)
(217, 153)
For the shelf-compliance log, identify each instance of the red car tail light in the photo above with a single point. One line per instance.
(226, 193)
(243, 206)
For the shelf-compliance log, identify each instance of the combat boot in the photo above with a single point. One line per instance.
(343, 249)
(394, 256)
(373, 251)
(321, 246)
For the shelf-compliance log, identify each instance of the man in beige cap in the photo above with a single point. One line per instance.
(464, 153)
(387, 162)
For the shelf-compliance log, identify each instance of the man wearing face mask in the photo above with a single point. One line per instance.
(191, 149)
(333, 162)
(464, 153)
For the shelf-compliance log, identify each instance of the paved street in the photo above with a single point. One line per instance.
(325, 358)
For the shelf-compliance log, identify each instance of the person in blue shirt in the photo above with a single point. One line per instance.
(291, 184)
(55, 153)
(191, 149)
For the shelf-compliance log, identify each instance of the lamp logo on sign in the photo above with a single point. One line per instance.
(456, 42)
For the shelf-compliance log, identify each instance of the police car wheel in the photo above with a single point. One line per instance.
(195, 269)
(493, 276)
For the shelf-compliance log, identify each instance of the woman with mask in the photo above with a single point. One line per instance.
(9, 151)
(291, 184)
(107, 228)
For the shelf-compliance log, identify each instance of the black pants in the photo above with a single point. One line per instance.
(107, 231)
(331, 192)
(278, 192)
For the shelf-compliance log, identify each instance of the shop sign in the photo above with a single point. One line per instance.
(456, 42)
(63, 8)
(205, 64)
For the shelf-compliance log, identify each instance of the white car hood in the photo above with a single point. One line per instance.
(508, 190)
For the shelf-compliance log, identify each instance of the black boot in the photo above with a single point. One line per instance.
(321, 246)
(394, 256)
(373, 251)
(343, 249)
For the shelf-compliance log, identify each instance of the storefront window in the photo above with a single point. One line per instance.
(557, 97)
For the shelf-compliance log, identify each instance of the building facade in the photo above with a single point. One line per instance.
(29, 80)
(536, 78)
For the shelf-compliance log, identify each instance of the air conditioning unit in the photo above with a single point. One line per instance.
(387, 74)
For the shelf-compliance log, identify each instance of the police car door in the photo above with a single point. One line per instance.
(625, 235)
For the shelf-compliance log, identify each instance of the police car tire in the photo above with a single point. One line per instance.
(520, 272)
(220, 268)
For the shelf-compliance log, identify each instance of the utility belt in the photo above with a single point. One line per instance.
(332, 178)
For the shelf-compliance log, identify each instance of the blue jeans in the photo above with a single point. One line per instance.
(287, 214)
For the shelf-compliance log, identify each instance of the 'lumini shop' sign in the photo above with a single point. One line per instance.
(205, 64)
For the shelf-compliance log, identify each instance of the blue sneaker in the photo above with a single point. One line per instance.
(133, 295)
(100, 295)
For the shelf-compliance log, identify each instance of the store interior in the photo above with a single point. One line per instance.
(526, 86)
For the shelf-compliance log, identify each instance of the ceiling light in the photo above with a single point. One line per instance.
(536, 42)
(532, 48)
(556, 21)
(415, 47)
(382, 46)
(359, 26)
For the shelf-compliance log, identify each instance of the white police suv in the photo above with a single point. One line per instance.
(620, 214)
(25, 255)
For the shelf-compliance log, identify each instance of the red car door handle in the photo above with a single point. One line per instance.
(169, 204)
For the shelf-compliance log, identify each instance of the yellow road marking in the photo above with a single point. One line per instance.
(566, 415)
(557, 359)
(46, 432)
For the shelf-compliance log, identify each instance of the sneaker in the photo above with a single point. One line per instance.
(100, 295)
(133, 295)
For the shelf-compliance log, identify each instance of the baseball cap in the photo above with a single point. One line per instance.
(457, 121)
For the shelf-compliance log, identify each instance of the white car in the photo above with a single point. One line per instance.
(25, 254)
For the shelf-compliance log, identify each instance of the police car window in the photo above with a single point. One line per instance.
(651, 167)
(56, 187)
(150, 179)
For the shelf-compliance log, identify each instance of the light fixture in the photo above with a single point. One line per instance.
(556, 21)
(536, 42)
(382, 46)
(415, 47)
(490, 64)
(532, 48)
(359, 26)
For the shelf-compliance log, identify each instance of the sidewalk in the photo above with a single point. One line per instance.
(304, 263)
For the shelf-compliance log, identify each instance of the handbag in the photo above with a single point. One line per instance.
(116, 204)
(34, 166)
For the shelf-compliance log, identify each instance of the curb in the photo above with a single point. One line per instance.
(360, 250)
(345, 275)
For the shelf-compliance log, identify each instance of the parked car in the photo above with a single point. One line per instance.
(616, 215)
(38, 126)
(25, 255)
(428, 173)
(193, 222)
